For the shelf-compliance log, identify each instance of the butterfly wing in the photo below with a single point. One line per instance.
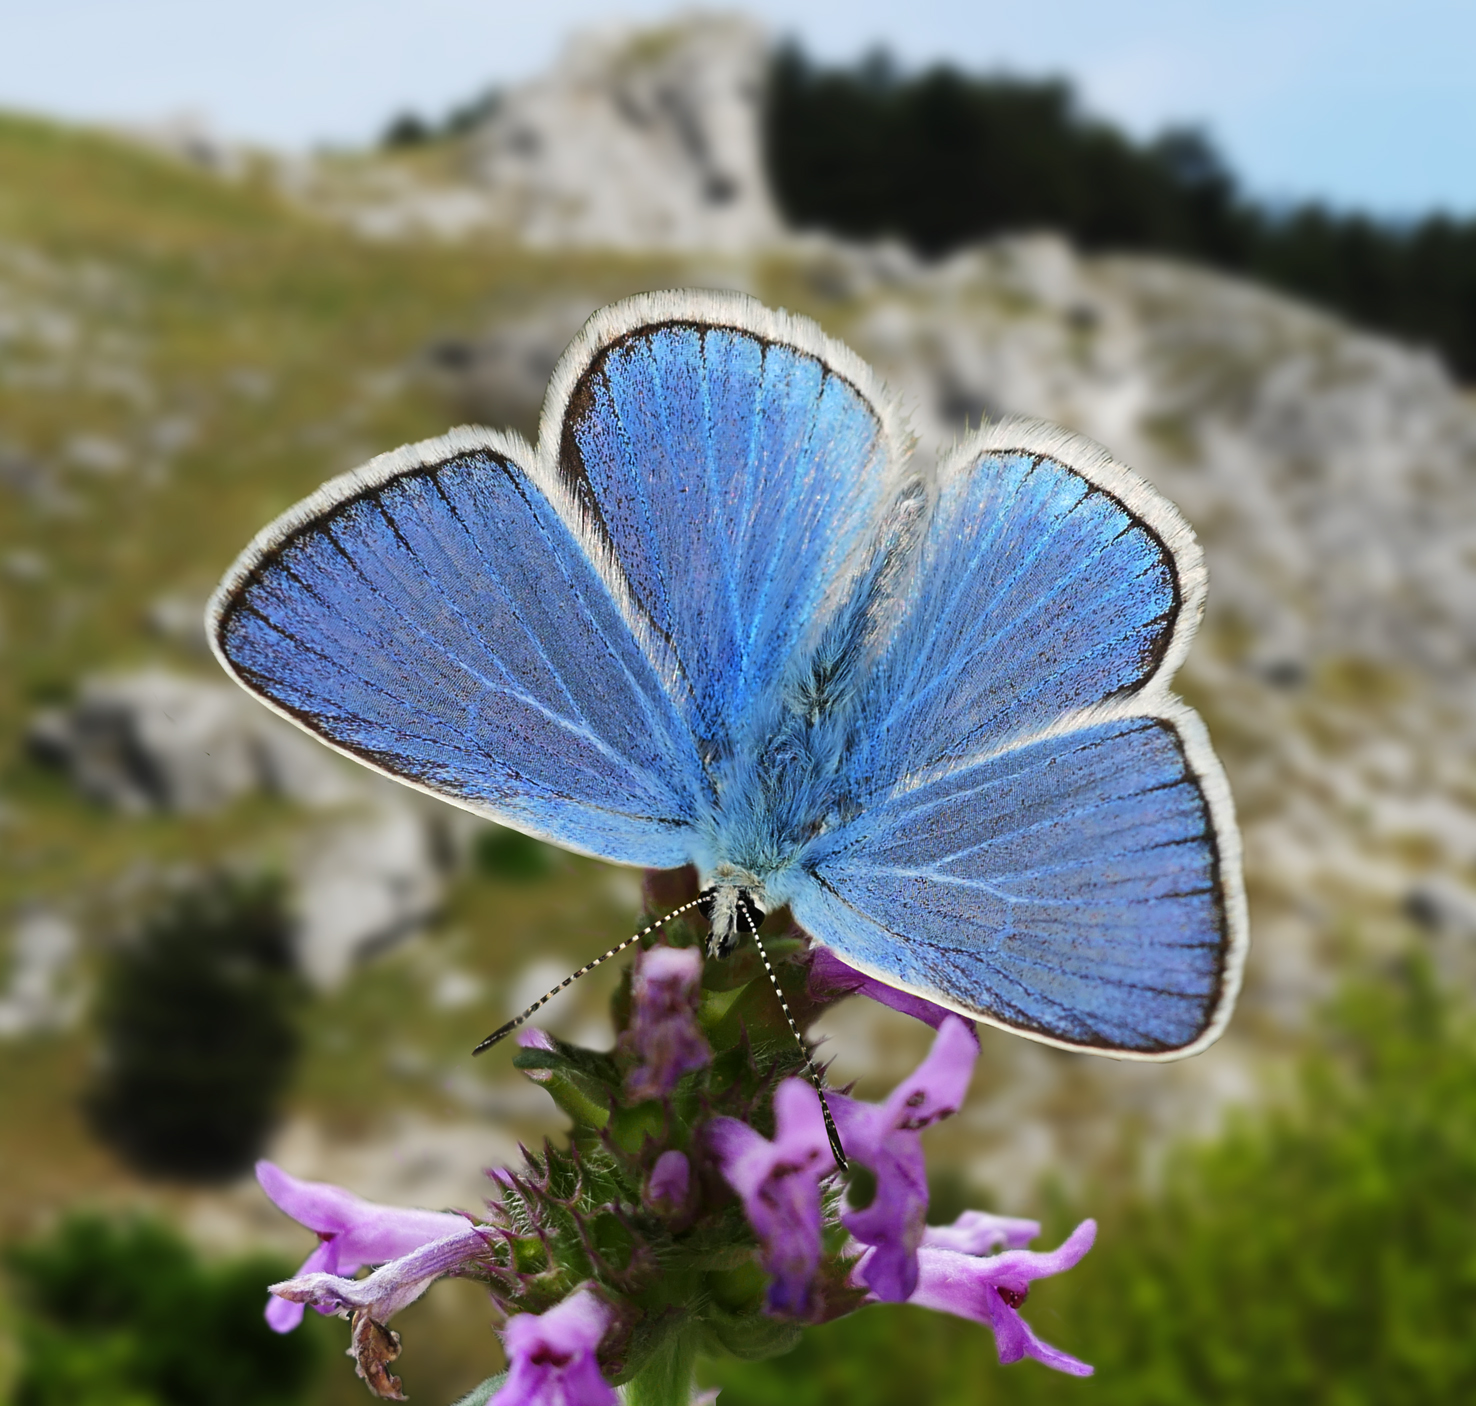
(1046, 585)
(566, 639)
(734, 462)
(1043, 837)
(434, 616)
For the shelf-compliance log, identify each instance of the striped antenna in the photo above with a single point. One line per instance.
(830, 1130)
(504, 1031)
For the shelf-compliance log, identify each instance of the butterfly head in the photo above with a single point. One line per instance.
(734, 910)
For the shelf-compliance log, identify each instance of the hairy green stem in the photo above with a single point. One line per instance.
(666, 1379)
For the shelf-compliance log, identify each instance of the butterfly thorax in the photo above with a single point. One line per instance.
(781, 785)
(774, 799)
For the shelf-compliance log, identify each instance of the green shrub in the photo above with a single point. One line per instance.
(198, 1019)
(126, 1315)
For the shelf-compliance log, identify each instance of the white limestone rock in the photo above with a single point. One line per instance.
(637, 139)
(370, 869)
(159, 741)
(40, 991)
(363, 884)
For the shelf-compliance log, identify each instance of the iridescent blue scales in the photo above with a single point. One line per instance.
(717, 617)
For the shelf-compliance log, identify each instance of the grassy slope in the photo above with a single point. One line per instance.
(238, 353)
(150, 305)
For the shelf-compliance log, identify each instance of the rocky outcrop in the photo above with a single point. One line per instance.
(41, 991)
(158, 741)
(368, 870)
(643, 139)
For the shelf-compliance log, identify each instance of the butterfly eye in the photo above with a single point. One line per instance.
(750, 912)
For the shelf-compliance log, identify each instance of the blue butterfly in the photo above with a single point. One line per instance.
(716, 617)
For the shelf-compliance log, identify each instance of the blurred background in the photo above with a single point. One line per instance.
(244, 248)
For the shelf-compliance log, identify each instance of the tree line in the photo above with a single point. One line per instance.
(942, 158)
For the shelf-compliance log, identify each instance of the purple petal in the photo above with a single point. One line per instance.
(669, 1182)
(385, 1292)
(979, 1233)
(322, 1207)
(779, 1185)
(788, 1223)
(743, 1154)
(885, 1140)
(1052, 1356)
(532, 1038)
(799, 1126)
(670, 966)
(894, 1221)
(1039, 1264)
(362, 1232)
(936, 1088)
(663, 1037)
(552, 1356)
(830, 978)
(986, 1289)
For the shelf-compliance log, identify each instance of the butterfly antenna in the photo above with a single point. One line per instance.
(830, 1130)
(504, 1031)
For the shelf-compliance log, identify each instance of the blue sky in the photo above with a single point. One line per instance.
(1362, 103)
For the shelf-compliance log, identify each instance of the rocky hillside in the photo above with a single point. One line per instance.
(183, 353)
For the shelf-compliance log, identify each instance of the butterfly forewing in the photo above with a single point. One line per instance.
(1037, 595)
(439, 621)
(737, 481)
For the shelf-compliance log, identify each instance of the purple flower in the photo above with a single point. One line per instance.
(551, 1356)
(989, 1289)
(884, 1139)
(373, 1301)
(830, 978)
(669, 1184)
(663, 1036)
(354, 1232)
(779, 1185)
(979, 1233)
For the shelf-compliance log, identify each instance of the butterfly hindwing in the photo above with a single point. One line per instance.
(434, 616)
(1072, 889)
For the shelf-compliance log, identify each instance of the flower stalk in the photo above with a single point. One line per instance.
(697, 1208)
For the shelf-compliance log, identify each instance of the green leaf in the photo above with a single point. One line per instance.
(583, 1097)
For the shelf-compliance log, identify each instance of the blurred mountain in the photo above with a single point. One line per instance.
(636, 139)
